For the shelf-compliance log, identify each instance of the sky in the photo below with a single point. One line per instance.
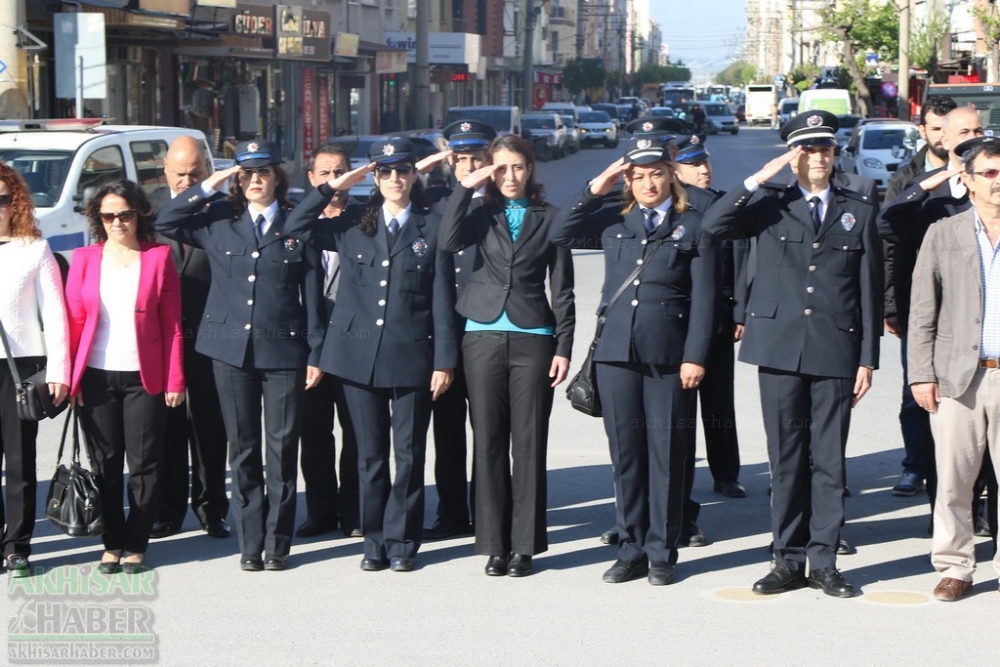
(702, 32)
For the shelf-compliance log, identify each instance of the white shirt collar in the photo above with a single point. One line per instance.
(401, 217)
(663, 210)
(269, 214)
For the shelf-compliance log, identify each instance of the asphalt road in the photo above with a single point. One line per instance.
(325, 611)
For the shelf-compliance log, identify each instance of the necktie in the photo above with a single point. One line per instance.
(258, 227)
(650, 214)
(393, 231)
(816, 217)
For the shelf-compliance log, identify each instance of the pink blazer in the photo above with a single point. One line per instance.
(157, 316)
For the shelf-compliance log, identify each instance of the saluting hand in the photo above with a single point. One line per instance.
(691, 375)
(219, 178)
(774, 167)
(474, 180)
(605, 183)
(440, 381)
(558, 370)
(862, 384)
(173, 398)
(346, 181)
(313, 376)
(937, 179)
(429, 162)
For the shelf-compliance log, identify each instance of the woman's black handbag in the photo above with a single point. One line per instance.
(582, 389)
(75, 504)
(34, 402)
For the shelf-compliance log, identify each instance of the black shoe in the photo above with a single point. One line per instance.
(731, 489)
(17, 566)
(313, 527)
(108, 567)
(401, 564)
(610, 536)
(847, 491)
(779, 580)
(496, 566)
(660, 574)
(624, 570)
(133, 567)
(692, 537)
(216, 528)
(844, 548)
(831, 582)
(351, 527)
(251, 564)
(442, 530)
(276, 563)
(163, 528)
(374, 564)
(519, 565)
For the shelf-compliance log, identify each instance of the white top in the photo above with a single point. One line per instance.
(31, 296)
(115, 347)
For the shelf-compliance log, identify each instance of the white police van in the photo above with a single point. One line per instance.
(64, 161)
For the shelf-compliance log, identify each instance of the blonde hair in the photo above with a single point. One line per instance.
(680, 204)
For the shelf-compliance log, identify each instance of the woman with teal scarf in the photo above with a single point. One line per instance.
(516, 347)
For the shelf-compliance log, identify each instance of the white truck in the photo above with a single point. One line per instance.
(760, 103)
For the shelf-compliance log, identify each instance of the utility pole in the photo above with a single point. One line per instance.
(13, 101)
(580, 27)
(903, 99)
(528, 82)
(421, 103)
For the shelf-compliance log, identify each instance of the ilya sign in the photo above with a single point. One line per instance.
(303, 34)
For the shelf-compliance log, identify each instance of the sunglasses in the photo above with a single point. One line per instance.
(6, 200)
(263, 172)
(402, 170)
(124, 216)
(988, 174)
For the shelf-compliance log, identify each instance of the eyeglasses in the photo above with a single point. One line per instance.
(6, 200)
(263, 172)
(988, 174)
(124, 216)
(402, 170)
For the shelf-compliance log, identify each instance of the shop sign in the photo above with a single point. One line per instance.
(308, 110)
(444, 48)
(254, 21)
(303, 34)
(390, 62)
(347, 45)
(323, 106)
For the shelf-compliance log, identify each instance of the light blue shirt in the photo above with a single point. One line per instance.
(990, 275)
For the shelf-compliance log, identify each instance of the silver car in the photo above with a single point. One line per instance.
(596, 127)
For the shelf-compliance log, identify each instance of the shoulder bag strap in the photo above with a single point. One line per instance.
(621, 289)
(62, 441)
(10, 359)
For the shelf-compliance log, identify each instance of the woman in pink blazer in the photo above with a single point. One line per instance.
(123, 297)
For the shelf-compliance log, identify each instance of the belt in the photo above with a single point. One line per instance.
(989, 363)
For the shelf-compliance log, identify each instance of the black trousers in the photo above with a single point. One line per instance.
(718, 409)
(17, 448)
(651, 425)
(264, 521)
(124, 424)
(195, 426)
(325, 502)
(510, 399)
(450, 453)
(392, 512)
(806, 419)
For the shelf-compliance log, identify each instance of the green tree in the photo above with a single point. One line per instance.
(861, 26)
(803, 76)
(738, 73)
(581, 75)
(663, 73)
(988, 19)
(926, 38)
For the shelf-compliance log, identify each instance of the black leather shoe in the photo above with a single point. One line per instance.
(374, 564)
(660, 574)
(442, 530)
(109, 567)
(313, 527)
(401, 564)
(496, 566)
(17, 566)
(731, 489)
(610, 536)
(624, 570)
(276, 563)
(844, 548)
(162, 528)
(779, 580)
(351, 527)
(519, 565)
(831, 582)
(216, 528)
(692, 537)
(251, 564)
(133, 567)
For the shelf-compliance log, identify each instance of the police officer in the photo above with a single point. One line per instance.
(813, 324)
(391, 339)
(262, 327)
(655, 343)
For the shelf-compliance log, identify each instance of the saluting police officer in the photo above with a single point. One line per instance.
(392, 341)
(813, 326)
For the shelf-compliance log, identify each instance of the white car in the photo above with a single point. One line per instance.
(596, 127)
(551, 126)
(876, 149)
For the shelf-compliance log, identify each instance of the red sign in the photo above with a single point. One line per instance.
(461, 77)
(308, 111)
(323, 98)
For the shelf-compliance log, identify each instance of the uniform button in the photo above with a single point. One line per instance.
(635, 282)
(359, 256)
(635, 302)
(782, 238)
(247, 327)
(379, 322)
(381, 302)
(255, 254)
(638, 261)
(812, 267)
(228, 252)
(808, 311)
(385, 262)
(458, 269)
(619, 235)
(286, 261)
(506, 287)
(461, 252)
(252, 279)
(645, 241)
(845, 247)
(815, 245)
(382, 283)
(249, 302)
(293, 334)
(810, 289)
(851, 330)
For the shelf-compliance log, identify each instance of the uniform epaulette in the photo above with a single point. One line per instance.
(860, 196)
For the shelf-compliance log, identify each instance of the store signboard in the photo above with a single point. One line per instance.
(254, 21)
(308, 111)
(303, 34)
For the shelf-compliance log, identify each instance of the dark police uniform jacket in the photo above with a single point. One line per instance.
(666, 316)
(510, 276)
(270, 292)
(394, 322)
(816, 303)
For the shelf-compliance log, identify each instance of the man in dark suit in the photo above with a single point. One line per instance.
(197, 424)
(814, 319)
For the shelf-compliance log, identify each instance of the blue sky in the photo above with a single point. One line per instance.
(700, 31)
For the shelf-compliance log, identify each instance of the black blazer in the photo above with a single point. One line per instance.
(816, 303)
(394, 322)
(270, 292)
(668, 317)
(511, 275)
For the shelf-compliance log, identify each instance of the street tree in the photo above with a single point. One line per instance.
(926, 38)
(988, 18)
(584, 75)
(738, 73)
(861, 26)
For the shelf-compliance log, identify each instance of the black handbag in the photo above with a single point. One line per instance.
(582, 389)
(34, 402)
(75, 504)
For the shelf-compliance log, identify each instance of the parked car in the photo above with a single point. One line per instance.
(64, 162)
(847, 124)
(597, 127)
(613, 112)
(876, 150)
(550, 126)
(572, 132)
(718, 117)
(503, 119)
(662, 112)
(786, 109)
